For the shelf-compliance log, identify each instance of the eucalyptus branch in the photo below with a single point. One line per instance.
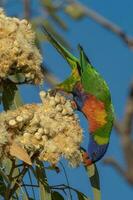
(11, 191)
(107, 24)
(70, 194)
(125, 129)
(30, 178)
(12, 170)
(26, 8)
(62, 186)
(112, 162)
(28, 185)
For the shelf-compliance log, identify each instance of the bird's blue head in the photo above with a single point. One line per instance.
(79, 95)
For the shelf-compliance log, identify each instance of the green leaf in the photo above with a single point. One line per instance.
(45, 192)
(57, 196)
(24, 197)
(27, 198)
(17, 78)
(81, 196)
(4, 177)
(2, 189)
(11, 96)
(94, 180)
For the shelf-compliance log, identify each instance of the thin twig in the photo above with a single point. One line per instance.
(117, 127)
(12, 190)
(70, 194)
(107, 24)
(124, 129)
(112, 162)
(30, 178)
(28, 185)
(26, 8)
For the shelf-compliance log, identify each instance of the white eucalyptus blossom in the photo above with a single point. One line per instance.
(49, 129)
(17, 50)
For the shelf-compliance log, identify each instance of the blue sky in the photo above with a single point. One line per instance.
(114, 61)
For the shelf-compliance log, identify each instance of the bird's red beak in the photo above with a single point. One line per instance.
(86, 160)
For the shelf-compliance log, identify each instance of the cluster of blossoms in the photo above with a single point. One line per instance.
(50, 129)
(18, 54)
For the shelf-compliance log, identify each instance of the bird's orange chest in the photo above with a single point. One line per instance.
(95, 112)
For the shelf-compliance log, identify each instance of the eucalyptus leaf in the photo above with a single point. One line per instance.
(24, 197)
(94, 180)
(2, 190)
(0, 98)
(4, 177)
(17, 78)
(45, 192)
(81, 196)
(11, 97)
(57, 196)
(20, 153)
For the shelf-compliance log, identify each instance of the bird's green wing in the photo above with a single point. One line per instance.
(102, 115)
(92, 81)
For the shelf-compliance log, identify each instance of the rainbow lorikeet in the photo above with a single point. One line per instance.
(92, 97)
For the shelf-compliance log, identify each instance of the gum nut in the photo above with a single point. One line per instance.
(52, 102)
(44, 138)
(59, 108)
(28, 75)
(32, 76)
(42, 123)
(19, 119)
(63, 101)
(43, 94)
(12, 122)
(64, 112)
(68, 104)
(40, 130)
(38, 135)
(38, 146)
(25, 117)
(46, 131)
(27, 135)
(57, 99)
